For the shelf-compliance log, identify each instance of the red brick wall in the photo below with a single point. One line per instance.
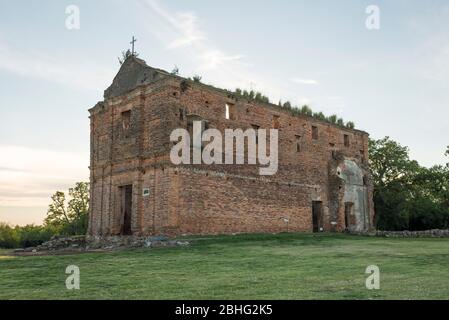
(200, 199)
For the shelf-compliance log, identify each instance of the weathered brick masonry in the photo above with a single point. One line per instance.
(135, 189)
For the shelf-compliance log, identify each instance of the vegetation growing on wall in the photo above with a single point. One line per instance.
(295, 110)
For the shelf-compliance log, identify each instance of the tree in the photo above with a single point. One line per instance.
(57, 213)
(389, 161)
(406, 195)
(70, 218)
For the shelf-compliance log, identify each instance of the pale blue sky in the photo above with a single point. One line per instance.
(393, 81)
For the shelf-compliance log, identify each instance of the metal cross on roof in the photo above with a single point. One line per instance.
(132, 43)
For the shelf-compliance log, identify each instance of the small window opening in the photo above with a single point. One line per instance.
(346, 140)
(126, 122)
(181, 114)
(275, 122)
(314, 133)
(229, 114)
(298, 143)
(256, 128)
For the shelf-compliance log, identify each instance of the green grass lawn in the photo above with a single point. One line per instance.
(285, 266)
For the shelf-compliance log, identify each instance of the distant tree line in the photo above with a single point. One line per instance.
(65, 217)
(407, 196)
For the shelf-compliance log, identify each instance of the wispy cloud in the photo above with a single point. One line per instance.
(182, 31)
(215, 58)
(305, 81)
(186, 25)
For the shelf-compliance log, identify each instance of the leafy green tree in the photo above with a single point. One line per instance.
(69, 218)
(391, 207)
(389, 161)
(406, 195)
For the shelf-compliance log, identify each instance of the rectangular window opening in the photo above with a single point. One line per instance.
(317, 216)
(298, 143)
(314, 133)
(126, 122)
(256, 129)
(126, 210)
(346, 140)
(276, 122)
(229, 112)
(181, 114)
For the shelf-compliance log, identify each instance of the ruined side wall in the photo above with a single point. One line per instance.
(206, 202)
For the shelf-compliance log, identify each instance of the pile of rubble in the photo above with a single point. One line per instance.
(83, 243)
(76, 243)
(114, 242)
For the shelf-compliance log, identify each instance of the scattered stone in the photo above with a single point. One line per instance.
(159, 238)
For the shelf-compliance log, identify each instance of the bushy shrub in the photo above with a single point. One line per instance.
(424, 214)
(32, 236)
(9, 238)
(23, 237)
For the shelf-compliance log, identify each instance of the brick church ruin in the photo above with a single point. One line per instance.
(322, 183)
